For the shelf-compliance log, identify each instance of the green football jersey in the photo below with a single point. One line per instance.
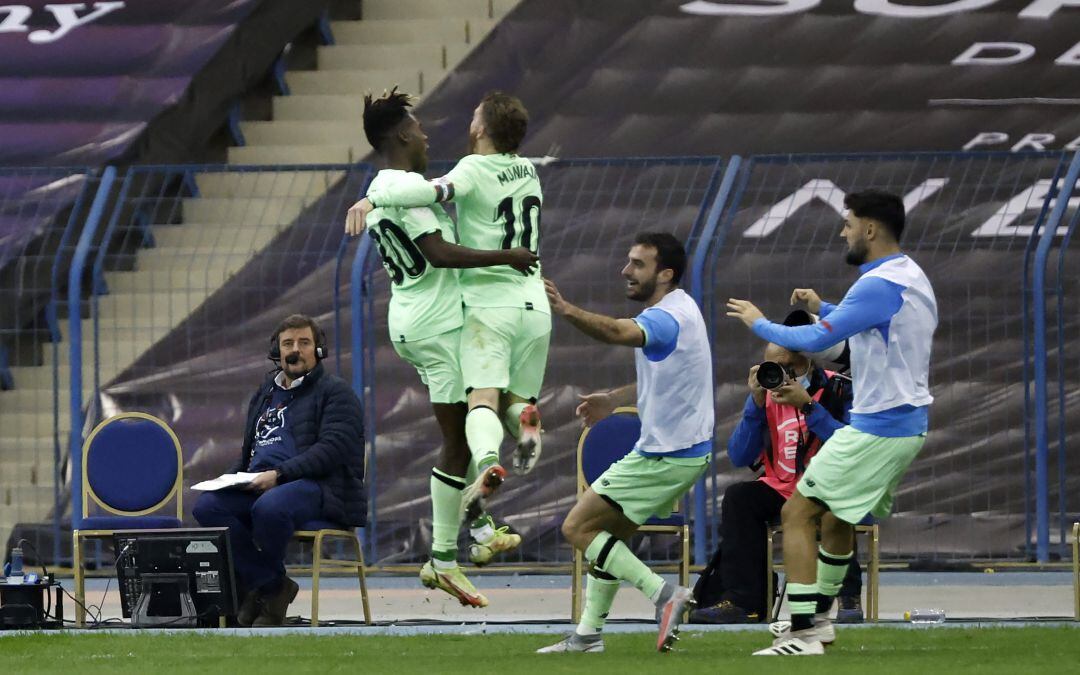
(498, 201)
(424, 300)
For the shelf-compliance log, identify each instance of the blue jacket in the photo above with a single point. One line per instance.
(327, 423)
(751, 436)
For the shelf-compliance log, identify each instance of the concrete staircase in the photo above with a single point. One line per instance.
(411, 43)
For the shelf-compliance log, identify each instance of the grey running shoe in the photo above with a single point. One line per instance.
(673, 603)
(576, 643)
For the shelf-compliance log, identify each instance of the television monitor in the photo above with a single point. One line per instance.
(181, 577)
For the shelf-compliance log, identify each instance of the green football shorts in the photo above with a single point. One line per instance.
(642, 487)
(505, 348)
(855, 473)
(436, 360)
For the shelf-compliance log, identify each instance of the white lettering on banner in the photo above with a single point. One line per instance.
(1021, 52)
(1044, 9)
(987, 138)
(68, 18)
(66, 15)
(1001, 223)
(826, 191)
(1039, 9)
(1071, 57)
(1037, 142)
(888, 8)
(16, 19)
(773, 8)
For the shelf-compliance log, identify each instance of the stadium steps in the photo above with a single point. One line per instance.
(409, 43)
(237, 216)
(27, 446)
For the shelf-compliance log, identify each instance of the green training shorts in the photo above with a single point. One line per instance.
(855, 473)
(505, 348)
(642, 487)
(436, 360)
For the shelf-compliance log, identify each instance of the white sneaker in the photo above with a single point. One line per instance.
(792, 647)
(589, 644)
(528, 449)
(822, 631)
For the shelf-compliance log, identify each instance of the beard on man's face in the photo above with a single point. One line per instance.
(643, 290)
(856, 253)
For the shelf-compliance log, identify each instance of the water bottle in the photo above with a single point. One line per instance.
(16, 564)
(925, 616)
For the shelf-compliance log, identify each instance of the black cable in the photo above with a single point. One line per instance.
(44, 576)
(101, 605)
(76, 601)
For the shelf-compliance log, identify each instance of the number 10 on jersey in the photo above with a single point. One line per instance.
(523, 227)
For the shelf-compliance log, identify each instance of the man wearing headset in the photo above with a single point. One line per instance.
(304, 441)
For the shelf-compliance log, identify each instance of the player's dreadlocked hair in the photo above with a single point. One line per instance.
(382, 115)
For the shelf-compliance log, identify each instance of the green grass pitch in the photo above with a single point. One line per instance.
(869, 650)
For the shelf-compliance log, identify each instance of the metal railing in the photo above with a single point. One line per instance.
(178, 273)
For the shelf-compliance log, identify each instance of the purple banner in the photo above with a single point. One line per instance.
(79, 82)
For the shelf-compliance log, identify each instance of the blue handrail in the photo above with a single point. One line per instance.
(51, 313)
(703, 542)
(1025, 311)
(1059, 291)
(339, 259)
(356, 293)
(75, 274)
(1038, 301)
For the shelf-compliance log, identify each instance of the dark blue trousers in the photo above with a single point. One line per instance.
(260, 526)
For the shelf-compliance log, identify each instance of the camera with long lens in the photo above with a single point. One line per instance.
(772, 375)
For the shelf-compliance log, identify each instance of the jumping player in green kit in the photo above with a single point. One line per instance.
(507, 321)
(419, 253)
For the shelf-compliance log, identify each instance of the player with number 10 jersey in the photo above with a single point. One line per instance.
(507, 327)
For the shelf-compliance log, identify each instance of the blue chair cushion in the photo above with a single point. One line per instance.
(608, 442)
(131, 464)
(674, 519)
(324, 525)
(129, 523)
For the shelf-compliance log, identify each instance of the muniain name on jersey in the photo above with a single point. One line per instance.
(516, 172)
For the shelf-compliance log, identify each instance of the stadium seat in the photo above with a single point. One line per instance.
(599, 447)
(132, 466)
(872, 532)
(317, 532)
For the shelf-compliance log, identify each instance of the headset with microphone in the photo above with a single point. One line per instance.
(321, 352)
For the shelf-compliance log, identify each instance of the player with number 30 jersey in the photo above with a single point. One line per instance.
(507, 321)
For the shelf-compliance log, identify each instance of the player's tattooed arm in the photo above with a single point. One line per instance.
(606, 329)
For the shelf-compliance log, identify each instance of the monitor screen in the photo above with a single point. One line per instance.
(201, 556)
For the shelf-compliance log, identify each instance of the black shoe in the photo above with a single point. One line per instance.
(850, 610)
(249, 610)
(276, 605)
(725, 612)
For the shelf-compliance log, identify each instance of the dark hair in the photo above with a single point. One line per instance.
(505, 120)
(383, 115)
(670, 254)
(884, 207)
(299, 321)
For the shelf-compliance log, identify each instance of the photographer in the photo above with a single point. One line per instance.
(781, 429)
